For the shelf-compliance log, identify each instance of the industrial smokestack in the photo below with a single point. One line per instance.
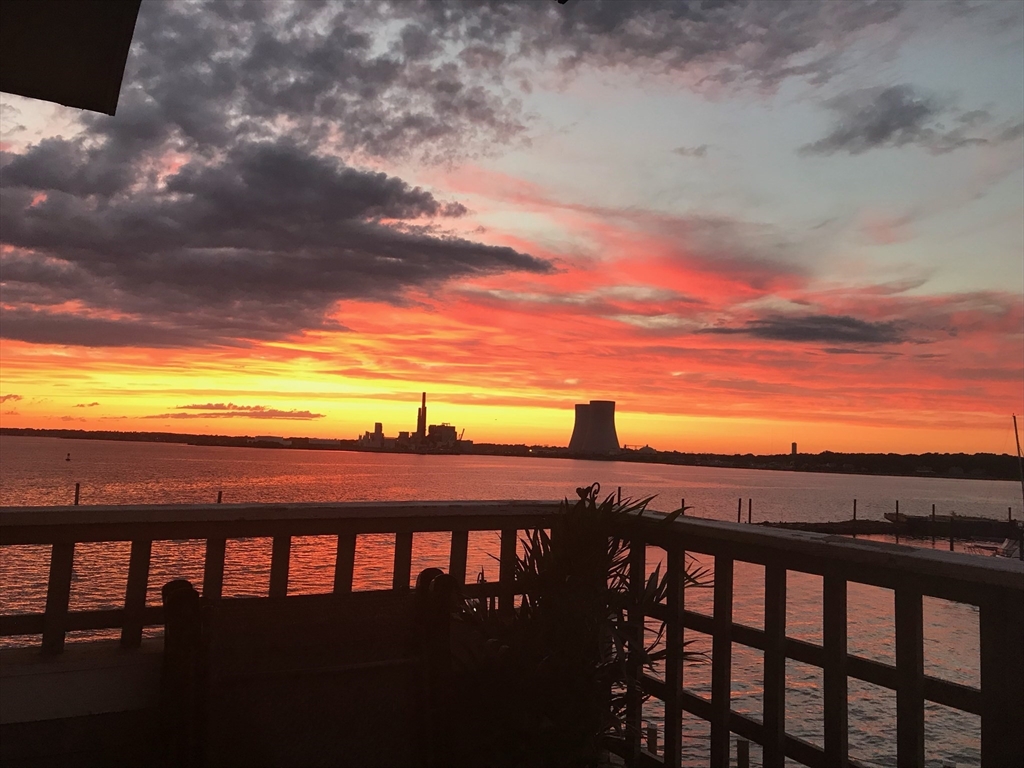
(421, 418)
(594, 431)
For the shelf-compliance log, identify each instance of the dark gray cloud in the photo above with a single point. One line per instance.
(899, 115)
(13, 398)
(260, 244)
(700, 151)
(86, 405)
(742, 42)
(212, 210)
(828, 329)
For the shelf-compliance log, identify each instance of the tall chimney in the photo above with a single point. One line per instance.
(421, 418)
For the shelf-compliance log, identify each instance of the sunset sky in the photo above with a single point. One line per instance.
(747, 223)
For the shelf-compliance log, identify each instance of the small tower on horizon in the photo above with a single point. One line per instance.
(421, 419)
(794, 449)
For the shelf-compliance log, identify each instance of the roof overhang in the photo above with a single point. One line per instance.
(66, 51)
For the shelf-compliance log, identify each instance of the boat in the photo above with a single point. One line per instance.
(1009, 548)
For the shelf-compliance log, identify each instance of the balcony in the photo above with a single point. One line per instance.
(995, 586)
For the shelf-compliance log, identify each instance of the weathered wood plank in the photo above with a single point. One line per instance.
(213, 568)
(635, 629)
(1001, 627)
(834, 642)
(58, 595)
(135, 594)
(457, 556)
(774, 666)
(344, 563)
(401, 574)
(909, 679)
(280, 559)
(507, 572)
(721, 662)
(675, 602)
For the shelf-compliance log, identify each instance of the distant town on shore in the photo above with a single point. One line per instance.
(979, 466)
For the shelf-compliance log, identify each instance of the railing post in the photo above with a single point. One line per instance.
(58, 595)
(401, 574)
(742, 753)
(675, 601)
(135, 593)
(213, 568)
(457, 556)
(721, 662)
(344, 563)
(635, 630)
(909, 678)
(834, 642)
(507, 573)
(279, 561)
(774, 666)
(1001, 630)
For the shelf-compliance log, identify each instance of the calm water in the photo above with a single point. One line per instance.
(33, 471)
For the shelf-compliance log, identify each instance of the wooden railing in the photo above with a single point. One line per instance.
(995, 585)
(62, 528)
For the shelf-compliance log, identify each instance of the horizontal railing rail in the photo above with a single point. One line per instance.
(995, 585)
(62, 528)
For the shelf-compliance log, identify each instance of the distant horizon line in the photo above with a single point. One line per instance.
(14, 432)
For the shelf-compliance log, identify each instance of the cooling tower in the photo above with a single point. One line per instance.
(580, 430)
(594, 431)
(601, 437)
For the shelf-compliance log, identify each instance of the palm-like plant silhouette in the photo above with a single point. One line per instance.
(545, 684)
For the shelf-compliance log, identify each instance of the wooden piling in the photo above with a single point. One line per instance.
(620, 495)
(854, 509)
(750, 509)
(933, 525)
(77, 487)
(682, 506)
(220, 497)
(952, 517)
(739, 510)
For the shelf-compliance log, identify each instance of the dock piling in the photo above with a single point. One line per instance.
(620, 494)
(682, 506)
(220, 497)
(77, 487)
(952, 517)
(739, 510)
(933, 525)
(854, 509)
(750, 508)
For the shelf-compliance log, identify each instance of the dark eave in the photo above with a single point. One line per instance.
(70, 52)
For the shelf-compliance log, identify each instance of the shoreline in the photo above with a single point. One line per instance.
(958, 466)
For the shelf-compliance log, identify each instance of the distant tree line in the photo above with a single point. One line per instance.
(981, 466)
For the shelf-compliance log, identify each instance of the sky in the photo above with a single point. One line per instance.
(748, 223)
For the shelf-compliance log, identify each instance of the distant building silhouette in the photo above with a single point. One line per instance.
(594, 430)
(421, 419)
(432, 438)
(794, 449)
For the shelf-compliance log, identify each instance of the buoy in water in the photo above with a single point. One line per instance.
(68, 458)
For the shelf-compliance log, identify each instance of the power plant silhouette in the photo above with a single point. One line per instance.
(594, 431)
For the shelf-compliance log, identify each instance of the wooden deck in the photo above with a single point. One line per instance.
(996, 586)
